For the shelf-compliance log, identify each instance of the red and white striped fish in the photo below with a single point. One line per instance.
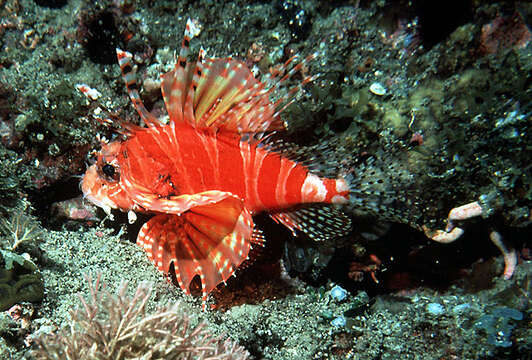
(205, 173)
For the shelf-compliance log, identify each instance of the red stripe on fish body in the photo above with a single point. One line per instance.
(167, 161)
(179, 160)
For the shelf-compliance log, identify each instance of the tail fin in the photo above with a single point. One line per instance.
(383, 187)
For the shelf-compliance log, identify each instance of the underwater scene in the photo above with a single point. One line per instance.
(266, 179)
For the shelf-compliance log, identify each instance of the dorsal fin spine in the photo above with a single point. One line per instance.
(178, 95)
(222, 93)
(189, 102)
(129, 75)
(286, 100)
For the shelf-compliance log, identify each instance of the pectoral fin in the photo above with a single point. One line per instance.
(210, 241)
(175, 204)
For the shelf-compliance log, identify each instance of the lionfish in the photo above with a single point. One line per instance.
(210, 168)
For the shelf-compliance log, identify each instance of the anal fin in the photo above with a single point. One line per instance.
(210, 241)
(318, 221)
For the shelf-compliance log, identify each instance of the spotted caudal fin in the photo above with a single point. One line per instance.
(210, 241)
(223, 93)
(383, 187)
(130, 78)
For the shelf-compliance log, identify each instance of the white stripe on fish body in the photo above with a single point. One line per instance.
(313, 189)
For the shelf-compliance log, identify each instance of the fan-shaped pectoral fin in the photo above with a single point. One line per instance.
(210, 240)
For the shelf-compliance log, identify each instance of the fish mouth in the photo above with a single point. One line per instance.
(95, 191)
(106, 204)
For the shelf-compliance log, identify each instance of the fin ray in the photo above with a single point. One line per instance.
(222, 93)
(320, 222)
(198, 243)
(129, 76)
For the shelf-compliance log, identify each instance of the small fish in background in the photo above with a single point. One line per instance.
(205, 173)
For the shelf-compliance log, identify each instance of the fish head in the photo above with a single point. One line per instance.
(101, 182)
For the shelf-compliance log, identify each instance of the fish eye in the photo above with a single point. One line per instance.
(110, 172)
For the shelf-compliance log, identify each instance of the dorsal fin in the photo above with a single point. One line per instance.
(320, 222)
(320, 159)
(231, 97)
(289, 98)
(222, 93)
(174, 84)
(129, 74)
